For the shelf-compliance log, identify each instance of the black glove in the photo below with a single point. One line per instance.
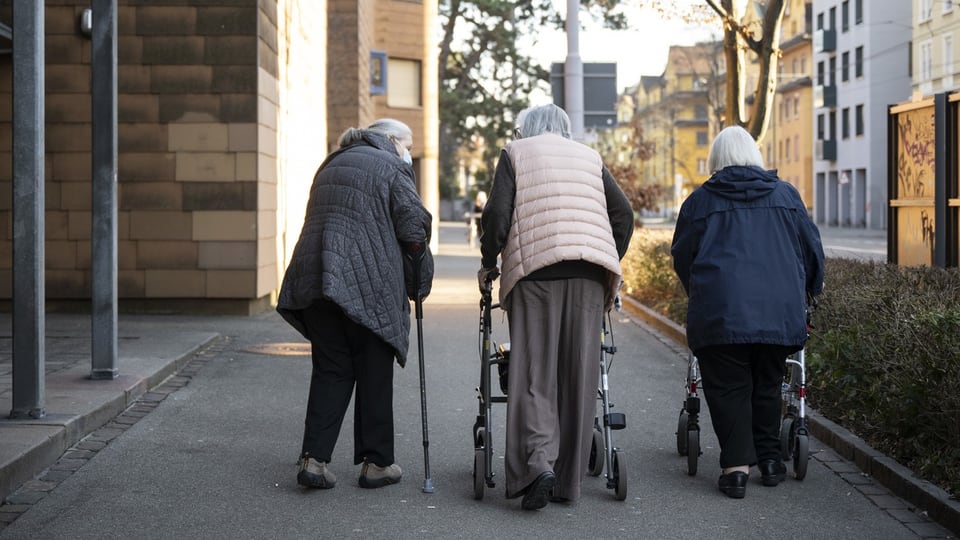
(485, 278)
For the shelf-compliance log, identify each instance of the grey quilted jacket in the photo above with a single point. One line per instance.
(363, 210)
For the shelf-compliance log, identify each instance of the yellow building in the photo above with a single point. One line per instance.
(936, 30)
(677, 112)
(789, 144)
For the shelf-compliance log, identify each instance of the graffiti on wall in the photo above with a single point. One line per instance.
(915, 154)
(915, 186)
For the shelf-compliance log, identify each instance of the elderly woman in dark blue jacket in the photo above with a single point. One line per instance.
(346, 290)
(748, 256)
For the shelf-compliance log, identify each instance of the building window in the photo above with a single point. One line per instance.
(947, 6)
(845, 66)
(796, 146)
(926, 10)
(820, 72)
(845, 15)
(803, 65)
(378, 73)
(858, 11)
(832, 71)
(948, 68)
(796, 106)
(786, 108)
(858, 119)
(786, 156)
(700, 112)
(926, 61)
(701, 166)
(820, 128)
(833, 18)
(858, 61)
(404, 89)
(845, 123)
(701, 138)
(820, 21)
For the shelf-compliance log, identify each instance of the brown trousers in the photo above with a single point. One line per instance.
(554, 372)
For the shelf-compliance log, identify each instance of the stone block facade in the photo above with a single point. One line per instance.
(224, 113)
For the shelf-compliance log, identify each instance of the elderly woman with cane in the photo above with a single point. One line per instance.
(347, 290)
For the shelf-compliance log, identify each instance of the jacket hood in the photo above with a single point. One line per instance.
(742, 183)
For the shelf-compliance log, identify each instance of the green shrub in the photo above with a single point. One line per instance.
(883, 358)
(884, 362)
(648, 274)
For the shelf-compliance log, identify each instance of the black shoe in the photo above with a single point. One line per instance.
(772, 472)
(734, 485)
(539, 492)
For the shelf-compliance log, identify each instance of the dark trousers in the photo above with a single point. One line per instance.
(742, 387)
(347, 354)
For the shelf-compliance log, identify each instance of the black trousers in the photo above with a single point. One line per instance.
(742, 387)
(346, 354)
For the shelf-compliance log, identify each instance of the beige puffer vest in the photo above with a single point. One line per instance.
(560, 211)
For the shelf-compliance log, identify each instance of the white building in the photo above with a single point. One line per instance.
(861, 66)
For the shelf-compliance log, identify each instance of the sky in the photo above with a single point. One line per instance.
(640, 50)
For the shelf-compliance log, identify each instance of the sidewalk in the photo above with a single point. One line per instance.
(152, 348)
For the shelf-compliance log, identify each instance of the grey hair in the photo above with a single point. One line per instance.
(542, 119)
(389, 127)
(734, 146)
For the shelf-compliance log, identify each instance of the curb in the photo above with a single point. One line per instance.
(900, 480)
(22, 468)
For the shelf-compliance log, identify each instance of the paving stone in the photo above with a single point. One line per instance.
(887, 502)
(51, 475)
(91, 445)
(106, 434)
(842, 466)
(929, 529)
(38, 485)
(856, 478)
(906, 515)
(26, 497)
(68, 464)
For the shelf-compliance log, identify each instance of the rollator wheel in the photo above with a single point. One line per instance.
(478, 473)
(787, 437)
(693, 450)
(619, 475)
(682, 433)
(597, 453)
(801, 453)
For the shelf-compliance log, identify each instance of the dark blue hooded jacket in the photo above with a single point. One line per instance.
(748, 255)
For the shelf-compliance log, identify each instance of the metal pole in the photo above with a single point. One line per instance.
(29, 316)
(573, 72)
(104, 364)
(941, 206)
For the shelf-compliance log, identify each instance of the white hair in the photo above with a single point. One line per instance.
(542, 119)
(734, 146)
(393, 129)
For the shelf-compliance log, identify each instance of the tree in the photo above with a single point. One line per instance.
(485, 80)
(742, 33)
(738, 38)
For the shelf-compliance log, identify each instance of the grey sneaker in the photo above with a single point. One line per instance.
(315, 474)
(374, 476)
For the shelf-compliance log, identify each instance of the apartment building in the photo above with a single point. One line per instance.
(935, 31)
(225, 110)
(789, 144)
(677, 112)
(862, 60)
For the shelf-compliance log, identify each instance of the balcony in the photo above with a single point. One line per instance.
(824, 41)
(826, 150)
(824, 96)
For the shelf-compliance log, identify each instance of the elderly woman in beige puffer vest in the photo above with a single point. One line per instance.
(560, 225)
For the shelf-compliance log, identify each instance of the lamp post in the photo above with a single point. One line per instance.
(573, 72)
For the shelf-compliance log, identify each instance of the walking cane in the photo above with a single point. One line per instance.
(415, 252)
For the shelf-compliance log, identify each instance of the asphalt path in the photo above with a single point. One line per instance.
(217, 458)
